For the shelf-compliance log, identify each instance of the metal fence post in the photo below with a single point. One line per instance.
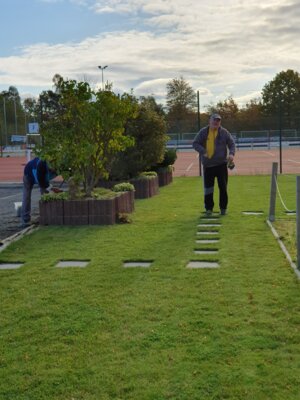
(298, 221)
(273, 192)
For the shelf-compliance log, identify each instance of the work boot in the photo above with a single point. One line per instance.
(223, 211)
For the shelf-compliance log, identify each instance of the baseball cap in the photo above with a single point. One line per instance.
(216, 116)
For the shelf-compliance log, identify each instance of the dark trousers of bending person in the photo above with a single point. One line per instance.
(219, 172)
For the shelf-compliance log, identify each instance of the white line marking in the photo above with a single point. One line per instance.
(269, 153)
(189, 167)
(8, 197)
(297, 162)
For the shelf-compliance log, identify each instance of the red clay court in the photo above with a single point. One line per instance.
(248, 162)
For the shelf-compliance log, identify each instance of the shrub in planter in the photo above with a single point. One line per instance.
(146, 185)
(82, 133)
(51, 208)
(102, 208)
(125, 199)
(164, 169)
(165, 175)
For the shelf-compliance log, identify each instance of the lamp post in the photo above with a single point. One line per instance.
(4, 114)
(199, 124)
(102, 69)
(16, 121)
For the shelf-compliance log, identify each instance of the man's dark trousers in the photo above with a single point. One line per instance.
(221, 173)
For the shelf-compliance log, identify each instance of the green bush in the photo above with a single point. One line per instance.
(148, 129)
(148, 174)
(103, 193)
(123, 187)
(169, 159)
(55, 196)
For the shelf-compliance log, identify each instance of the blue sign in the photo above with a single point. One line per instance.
(33, 127)
(18, 138)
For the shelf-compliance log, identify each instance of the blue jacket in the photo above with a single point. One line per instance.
(38, 173)
(224, 143)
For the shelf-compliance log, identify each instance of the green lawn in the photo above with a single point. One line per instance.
(167, 332)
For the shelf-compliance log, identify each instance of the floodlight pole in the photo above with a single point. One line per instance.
(4, 112)
(16, 120)
(199, 124)
(102, 69)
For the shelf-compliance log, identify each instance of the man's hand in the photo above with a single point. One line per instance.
(230, 158)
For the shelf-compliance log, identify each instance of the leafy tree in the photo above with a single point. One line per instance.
(251, 116)
(229, 110)
(282, 96)
(31, 108)
(181, 102)
(149, 132)
(86, 131)
(14, 110)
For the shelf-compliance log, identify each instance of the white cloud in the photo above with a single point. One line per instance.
(219, 47)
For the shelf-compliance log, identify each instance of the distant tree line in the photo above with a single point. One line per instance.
(279, 105)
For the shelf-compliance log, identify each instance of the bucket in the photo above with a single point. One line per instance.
(18, 208)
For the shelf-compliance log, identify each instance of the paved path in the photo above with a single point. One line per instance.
(10, 223)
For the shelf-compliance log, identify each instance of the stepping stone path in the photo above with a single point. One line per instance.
(205, 251)
(202, 264)
(203, 229)
(207, 233)
(72, 263)
(137, 264)
(253, 212)
(207, 241)
(11, 265)
(208, 225)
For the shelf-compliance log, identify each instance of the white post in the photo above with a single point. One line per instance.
(273, 192)
(28, 155)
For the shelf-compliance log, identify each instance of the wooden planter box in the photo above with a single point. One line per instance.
(102, 212)
(52, 212)
(87, 211)
(145, 187)
(125, 202)
(76, 212)
(165, 177)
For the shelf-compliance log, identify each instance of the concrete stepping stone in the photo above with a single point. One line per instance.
(206, 241)
(4, 266)
(137, 264)
(208, 225)
(252, 212)
(202, 264)
(207, 233)
(209, 219)
(205, 251)
(72, 263)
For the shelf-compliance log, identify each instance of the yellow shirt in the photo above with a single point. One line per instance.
(210, 142)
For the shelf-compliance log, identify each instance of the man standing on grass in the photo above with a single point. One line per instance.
(213, 143)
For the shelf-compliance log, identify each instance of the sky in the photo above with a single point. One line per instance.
(221, 48)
